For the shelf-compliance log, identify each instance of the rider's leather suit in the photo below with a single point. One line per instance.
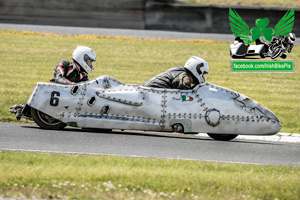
(174, 78)
(67, 73)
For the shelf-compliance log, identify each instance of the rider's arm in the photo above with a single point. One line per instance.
(60, 72)
(182, 81)
(83, 77)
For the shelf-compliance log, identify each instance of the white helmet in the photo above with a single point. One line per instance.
(292, 37)
(81, 55)
(198, 67)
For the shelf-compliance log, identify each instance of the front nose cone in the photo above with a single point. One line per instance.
(275, 124)
(270, 117)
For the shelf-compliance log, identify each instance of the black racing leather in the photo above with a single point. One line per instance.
(174, 78)
(67, 73)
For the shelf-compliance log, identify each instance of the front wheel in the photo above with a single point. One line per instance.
(45, 121)
(222, 137)
(276, 53)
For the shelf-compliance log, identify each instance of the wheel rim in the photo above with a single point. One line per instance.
(276, 53)
(47, 119)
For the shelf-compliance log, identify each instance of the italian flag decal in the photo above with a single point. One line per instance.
(187, 98)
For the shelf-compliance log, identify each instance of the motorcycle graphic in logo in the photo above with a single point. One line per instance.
(280, 38)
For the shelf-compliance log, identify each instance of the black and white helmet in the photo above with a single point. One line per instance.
(198, 67)
(81, 55)
(292, 37)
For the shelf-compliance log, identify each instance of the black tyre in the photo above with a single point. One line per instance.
(46, 121)
(222, 137)
(277, 52)
(283, 56)
(97, 130)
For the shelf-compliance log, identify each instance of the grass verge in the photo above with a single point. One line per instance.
(27, 58)
(40, 175)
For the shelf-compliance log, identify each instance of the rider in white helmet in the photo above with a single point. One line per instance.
(67, 72)
(198, 67)
(193, 73)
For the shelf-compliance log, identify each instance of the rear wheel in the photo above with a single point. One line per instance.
(222, 137)
(45, 121)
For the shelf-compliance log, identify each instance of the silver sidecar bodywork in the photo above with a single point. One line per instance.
(106, 103)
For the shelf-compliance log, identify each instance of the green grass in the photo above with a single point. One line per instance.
(286, 3)
(27, 59)
(56, 176)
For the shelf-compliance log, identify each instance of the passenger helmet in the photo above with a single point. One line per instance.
(81, 55)
(198, 67)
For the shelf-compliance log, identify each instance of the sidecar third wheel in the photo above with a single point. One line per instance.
(222, 137)
(46, 121)
(178, 128)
